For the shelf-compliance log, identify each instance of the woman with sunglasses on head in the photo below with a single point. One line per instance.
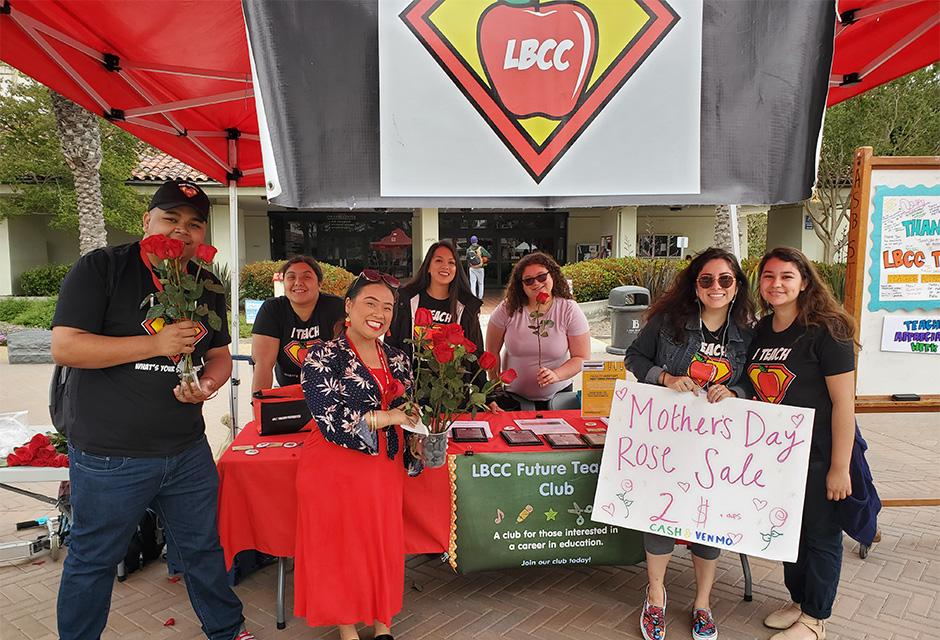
(286, 327)
(537, 284)
(695, 340)
(349, 563)
(803, 355)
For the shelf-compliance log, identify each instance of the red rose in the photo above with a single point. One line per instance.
(508, 376)
(24, 454)
(443, 353)
(487, 360)
(40, 439)
(454, 333)
(542, 297)
(155, 245)
(423, 317)
(174, 248)
(61, 460)
(206, 253)
(46, 453)
(13, 460)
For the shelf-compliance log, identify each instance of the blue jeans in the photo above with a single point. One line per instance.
(109, 497)
(476, 281)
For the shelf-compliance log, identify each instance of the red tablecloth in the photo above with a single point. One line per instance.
(258, 501)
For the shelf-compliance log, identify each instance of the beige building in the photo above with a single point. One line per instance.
(395, 240)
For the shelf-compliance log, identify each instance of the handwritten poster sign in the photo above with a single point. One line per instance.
(905, 250)
(730, 474)
(911, 334)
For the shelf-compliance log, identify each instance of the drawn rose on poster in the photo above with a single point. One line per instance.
(778, 518)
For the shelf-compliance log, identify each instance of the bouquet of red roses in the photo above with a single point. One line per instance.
(180, 291)
(38, 452)
(440, 392)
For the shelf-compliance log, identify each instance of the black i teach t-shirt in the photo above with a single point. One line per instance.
(276, 319)
(129, 409)
(440, 309)
(790, 367)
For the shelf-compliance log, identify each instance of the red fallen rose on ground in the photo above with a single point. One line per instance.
(508, 376)
(423, 317)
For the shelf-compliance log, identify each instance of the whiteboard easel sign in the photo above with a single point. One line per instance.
(729, 474)
(911, 334)
(251, 310)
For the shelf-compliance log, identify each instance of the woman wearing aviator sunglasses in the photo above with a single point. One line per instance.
(695, 340)
(547, 363)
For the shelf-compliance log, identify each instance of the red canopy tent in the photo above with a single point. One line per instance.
(177, 73)
(394, 240)
(880, 40)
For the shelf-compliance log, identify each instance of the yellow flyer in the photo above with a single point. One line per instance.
(598, 379)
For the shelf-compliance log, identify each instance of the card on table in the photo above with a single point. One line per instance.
(469, 434)
(595, 440)
(520, 438)
(565, 440)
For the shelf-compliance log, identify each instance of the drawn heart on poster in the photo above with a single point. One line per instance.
(684, 486)
(797, 420)
(609, 508)
(735, 536)
(759, 504)
(621, 393)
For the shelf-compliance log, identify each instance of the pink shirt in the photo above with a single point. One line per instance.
(520, 345)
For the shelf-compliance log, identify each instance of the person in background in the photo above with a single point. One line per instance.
(695, 340)
(545, 364)
(477, 257)
(287, 326)
(349, 565)
(808, 336)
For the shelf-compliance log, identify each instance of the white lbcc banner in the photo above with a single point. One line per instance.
(730, 474)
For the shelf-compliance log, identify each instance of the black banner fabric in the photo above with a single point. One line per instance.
(764, 80)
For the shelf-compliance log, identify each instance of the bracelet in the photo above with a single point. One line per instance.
(662, 379)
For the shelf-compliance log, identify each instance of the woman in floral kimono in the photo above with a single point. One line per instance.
(349, 565)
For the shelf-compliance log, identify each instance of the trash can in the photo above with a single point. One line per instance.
(627, 306)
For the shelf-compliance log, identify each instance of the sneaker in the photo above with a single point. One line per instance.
(784, 617)
(703, 625)
(653, 619)
(244, 635)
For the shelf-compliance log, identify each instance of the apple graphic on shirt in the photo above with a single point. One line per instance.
(538, 58)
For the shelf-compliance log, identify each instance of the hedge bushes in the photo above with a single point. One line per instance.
(593, 279)
(256, 279)
(27, 313)
(44, 280)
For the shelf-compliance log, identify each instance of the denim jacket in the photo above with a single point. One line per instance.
(656, 350)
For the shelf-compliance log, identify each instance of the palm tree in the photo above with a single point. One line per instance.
(722, 238)
(80, 139)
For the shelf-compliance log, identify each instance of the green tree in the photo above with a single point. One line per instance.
(900, 118)
(32, 164)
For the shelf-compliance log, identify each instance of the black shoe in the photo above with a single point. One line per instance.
(384, 636)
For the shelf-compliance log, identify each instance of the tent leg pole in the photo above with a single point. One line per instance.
(233, 270)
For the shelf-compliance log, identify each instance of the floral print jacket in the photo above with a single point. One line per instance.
(340, 391)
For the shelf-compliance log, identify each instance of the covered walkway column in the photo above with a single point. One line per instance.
(625, 235)
(424, 233)
(785, 227)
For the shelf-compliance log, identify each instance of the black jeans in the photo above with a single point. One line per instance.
(508, 403)
(814, 578)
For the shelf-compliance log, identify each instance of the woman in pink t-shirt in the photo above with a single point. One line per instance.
(545, 363)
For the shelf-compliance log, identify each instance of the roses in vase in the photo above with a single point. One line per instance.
(442, 355)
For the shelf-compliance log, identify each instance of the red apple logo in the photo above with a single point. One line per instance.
(538, 59)
(702, 371)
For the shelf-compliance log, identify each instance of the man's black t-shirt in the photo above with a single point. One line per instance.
(790, 368)
(440, 309)
(129, 409)
(276, 319)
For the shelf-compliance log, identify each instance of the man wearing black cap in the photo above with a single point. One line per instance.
(136, 434)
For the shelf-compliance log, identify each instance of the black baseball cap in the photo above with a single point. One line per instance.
(175, 193)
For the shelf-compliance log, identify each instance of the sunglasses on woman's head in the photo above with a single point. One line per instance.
(724, 281)
(533, 279)
(377, 276)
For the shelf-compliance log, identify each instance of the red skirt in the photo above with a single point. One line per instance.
(349, 563)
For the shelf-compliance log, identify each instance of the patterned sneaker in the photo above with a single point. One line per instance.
(653, 619)
(244, 635)
(703, 625)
